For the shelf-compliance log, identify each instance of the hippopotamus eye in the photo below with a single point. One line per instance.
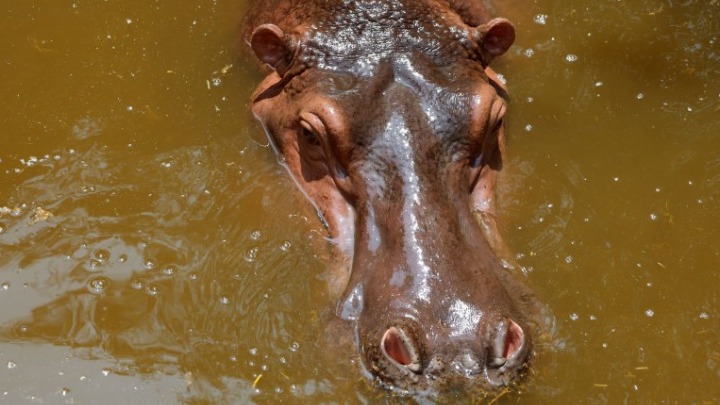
(498, 124)
(309, 135)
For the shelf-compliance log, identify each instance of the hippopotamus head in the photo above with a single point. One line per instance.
(388, 118)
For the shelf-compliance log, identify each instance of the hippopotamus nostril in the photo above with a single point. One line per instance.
(398, 346)
(507, 341)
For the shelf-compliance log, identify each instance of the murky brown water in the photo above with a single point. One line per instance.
(151, 250)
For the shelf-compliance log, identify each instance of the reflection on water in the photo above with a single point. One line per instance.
(150, 245)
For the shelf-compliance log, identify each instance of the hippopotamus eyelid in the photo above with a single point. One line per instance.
(309, 134)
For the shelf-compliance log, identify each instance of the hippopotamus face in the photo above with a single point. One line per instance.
(388, 118)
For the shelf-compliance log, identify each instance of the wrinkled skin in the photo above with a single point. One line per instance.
(391, 122)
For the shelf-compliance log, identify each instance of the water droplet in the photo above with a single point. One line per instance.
(574, 317)
(598, 84)
(149, 264)
(285, 246)
(541, 19)
(529, 53)
(253, 351)
(5, 286)
(122, 258)
(98, 285)
(193, 276)
(105, 372)
(569, 259)
(152, 290)
(649, 313)
(137, 284)
(94, 265)
(169, 270)
(65, 391)
(251, 254)
(294, 347)
(528, 127)
(16, 212)
(653, 217)
(704, 315)
(571, 57)
(640, 96)
(224, 299)
(2, 228)
(24, 329)
(11, 365)
(255, 235)
(283, 360)
(216, 82)
(102, 255)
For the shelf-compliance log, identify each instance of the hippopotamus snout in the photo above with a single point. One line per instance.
(497, 355)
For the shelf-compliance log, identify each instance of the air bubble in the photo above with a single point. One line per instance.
(285, 246)
(149, 264)
(169, 270)
(152, 290)
(98, 285)
(122, 258)
(574, 317)
(224, 300)
(571, 57)
(529, 53)
(11, 365)
(255, 235)
(541, 19)
(5, 286)
(137, 284)
(102, 255)
(251, 254)
(94, 265)
(649, 313)
(294, 347)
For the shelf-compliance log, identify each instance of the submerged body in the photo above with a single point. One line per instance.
(391, 122)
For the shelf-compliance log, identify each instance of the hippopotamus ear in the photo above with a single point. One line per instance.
(494, 38)
(271, 46)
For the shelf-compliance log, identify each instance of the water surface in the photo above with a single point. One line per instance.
(152, 250)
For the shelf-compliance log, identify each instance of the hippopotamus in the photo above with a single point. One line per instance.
(389, 119)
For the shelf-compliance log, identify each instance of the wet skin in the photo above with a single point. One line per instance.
(391, 122)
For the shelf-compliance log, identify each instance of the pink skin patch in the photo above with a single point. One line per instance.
(396, 347)
(513, 339)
